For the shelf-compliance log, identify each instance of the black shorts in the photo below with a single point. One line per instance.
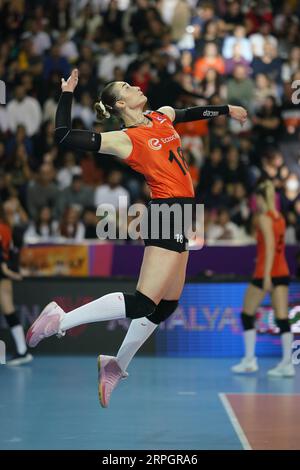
(168, 231)
(276, 281)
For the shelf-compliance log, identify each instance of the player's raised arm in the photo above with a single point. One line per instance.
(198, 113)
(116, 142)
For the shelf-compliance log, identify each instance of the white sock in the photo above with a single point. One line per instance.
(139, 330)
(108, 307)
(286, 342)
(250, 340)
(19, 338)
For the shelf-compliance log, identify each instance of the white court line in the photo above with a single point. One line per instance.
(234, 421)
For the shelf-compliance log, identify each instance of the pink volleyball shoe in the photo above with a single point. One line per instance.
(47, 324)
(109, 375)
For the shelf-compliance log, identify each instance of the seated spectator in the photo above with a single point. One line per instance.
(240, 88)
(238, 38)
(223, 228)
(215, 197)
(117, 57)
(234, 169)
(84, 110)
(212, 168)
(43, 228)
(267, 123)
(43, 191)
(19, 137)
(70, 168)
(239, 207)
(209, 35)
(24, 110)
(264, 87)
(260, 38)
(292, 65)
(211, 60)
(70, 226)
(269, 64)
(273, 167)
(236, 59)
(54, 62)
(112, 192)
(211, 85)
(77, 194)
(90, 221)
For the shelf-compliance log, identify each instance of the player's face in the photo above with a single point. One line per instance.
(131, 96)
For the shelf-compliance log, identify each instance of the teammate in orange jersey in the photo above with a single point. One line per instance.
(21, 355)
(271, 275)
(151, 146)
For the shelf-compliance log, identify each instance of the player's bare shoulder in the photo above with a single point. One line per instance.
(116, 143)
(168, 111)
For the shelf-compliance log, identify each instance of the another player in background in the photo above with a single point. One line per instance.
(271, 275)
(7, 275)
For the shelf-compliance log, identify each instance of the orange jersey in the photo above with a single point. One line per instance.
(5, 241)
(158, 156)
(280, 266)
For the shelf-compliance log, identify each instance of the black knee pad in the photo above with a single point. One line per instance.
(138, 305)
(248, 321)
(12, 320)
(283, 325)
(164, 309)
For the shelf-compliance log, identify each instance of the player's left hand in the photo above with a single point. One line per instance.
(71, 83)
(238, 113)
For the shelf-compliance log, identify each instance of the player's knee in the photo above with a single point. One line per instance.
(283, 325)
(164, 309)
(138, 305)
(248, 321)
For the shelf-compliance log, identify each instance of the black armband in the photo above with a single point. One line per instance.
(199, 112)
(76, 139)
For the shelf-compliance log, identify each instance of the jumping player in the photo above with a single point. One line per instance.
(151, 146)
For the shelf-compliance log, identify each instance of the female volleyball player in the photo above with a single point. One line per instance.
(271, 275)
(151, 146)
(22, 355)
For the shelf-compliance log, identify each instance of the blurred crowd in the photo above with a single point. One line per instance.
(180, 53)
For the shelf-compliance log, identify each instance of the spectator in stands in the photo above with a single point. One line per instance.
(24, 110)
(43, 191)
(54, 62)
(77, 194)
(269, 64)
(70, 225)
(223, 228)
(211, 60)
(44, 228)
(70, 168)
(112, 192)
(238, 38)
(236, 59)
(117, 57)
(240, 88)
(267, 123)
(90, 221)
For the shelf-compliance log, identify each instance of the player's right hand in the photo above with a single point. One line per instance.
(71, 83)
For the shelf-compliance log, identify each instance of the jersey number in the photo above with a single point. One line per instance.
(179, 160)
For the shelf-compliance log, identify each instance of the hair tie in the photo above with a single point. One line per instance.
(105, 112)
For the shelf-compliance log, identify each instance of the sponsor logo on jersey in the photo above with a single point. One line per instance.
(156, 144)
